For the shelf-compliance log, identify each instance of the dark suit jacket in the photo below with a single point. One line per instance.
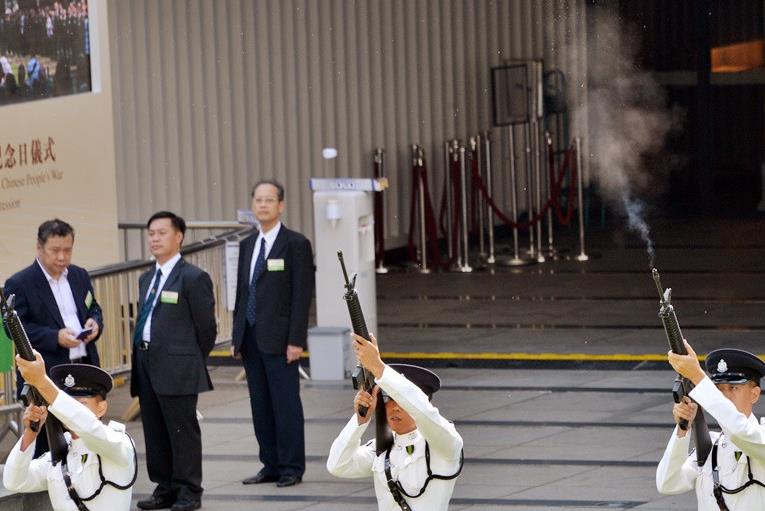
(39, 312)
(182, 334)
(283, 297)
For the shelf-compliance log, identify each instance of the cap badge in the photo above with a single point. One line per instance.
(69, 381)
(722, 366)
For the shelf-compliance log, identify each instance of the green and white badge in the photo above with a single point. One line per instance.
(275, 264)
(88, 300)
(169, 297)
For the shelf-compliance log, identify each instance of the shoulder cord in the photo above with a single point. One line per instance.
(79, 501)
(395, 486)
(719, 489)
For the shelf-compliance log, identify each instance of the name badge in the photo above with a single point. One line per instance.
(169, 297)
(88, 300)
(275, 264)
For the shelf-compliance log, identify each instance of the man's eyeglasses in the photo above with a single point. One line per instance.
(266, 200)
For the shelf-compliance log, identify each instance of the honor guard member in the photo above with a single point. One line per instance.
(100, 467)
(418, 471)
(732, 476)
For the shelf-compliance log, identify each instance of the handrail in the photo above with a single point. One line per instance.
(116, 289)
(193, 227)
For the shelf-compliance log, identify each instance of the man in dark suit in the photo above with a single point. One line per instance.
(175, 332)
(56, 304)
(273, 294)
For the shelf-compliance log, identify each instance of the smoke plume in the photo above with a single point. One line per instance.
(629, 123)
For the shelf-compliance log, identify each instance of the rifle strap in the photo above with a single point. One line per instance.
(70, 488)
(79, 501)
(719, 489)
(398, 491)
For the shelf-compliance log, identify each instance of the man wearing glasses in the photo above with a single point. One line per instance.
(274, 289)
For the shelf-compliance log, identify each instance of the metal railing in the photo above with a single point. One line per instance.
(133, 235)
(116, 289)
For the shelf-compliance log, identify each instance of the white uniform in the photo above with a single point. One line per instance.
(679, 473)
(24, 474)
(347, 458)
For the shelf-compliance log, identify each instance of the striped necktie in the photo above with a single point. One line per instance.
(260, 263)
(146, 309)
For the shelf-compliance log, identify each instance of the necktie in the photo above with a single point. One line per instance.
(260, 263)
(148, 306)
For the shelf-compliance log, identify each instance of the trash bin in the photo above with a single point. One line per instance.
(328, 347)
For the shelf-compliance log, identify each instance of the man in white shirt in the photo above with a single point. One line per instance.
(274, 290)
(732, 476)
(56, 304)
(174, 334)
(418, 471)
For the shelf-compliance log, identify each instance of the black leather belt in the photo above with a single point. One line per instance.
(143, 346)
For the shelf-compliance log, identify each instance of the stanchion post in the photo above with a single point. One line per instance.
(449, 198)
(538, 189)
(516, 260)
(490, 259)
(550, 234)
(379, 161)
(418, 165)
(579, 198)
(475, 150)
(464, 261)
(529, 187)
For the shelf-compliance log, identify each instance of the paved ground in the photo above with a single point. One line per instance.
(566, 439)
(552, 374)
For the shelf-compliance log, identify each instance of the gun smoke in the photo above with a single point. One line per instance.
(629, 121)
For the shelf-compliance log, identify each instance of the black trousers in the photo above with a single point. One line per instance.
(277, 412)
(172, 435)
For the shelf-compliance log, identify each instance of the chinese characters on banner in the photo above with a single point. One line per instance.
(25, 154)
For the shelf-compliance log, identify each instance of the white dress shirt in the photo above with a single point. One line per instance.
(62, 293)
(270, 238)
(678, 471)
(349, 459)
(166, 269)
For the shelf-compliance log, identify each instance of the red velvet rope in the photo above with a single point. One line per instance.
(554, 189)
(431, 226)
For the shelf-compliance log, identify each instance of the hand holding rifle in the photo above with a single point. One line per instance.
(687, 365)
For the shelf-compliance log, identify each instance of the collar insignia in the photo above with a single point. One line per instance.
(722, 366)
(69, 381)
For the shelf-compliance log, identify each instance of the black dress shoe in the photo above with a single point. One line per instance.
(288, 481)
(186, 505)
(261, 477)
(156, 502)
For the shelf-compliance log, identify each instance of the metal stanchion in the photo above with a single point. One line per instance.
(463, 263)
(551, 252)
(529, 187)
(490, 259)
(417, 165)
(516, 260)
(449, 198)
(538, 189)
(475, 153)
(579, 199)
(379, 208)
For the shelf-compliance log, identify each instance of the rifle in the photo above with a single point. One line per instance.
(54, 430)
(361, 377)
(682, 386)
